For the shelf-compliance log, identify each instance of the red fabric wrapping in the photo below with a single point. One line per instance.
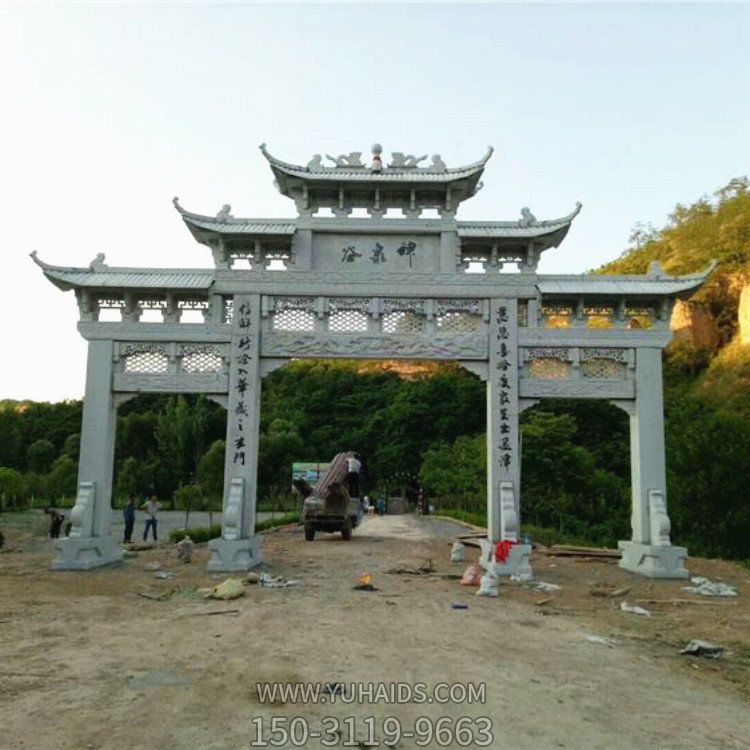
(503, 550)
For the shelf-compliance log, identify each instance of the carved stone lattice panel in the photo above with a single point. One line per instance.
(403, 322)
(439, 346)
(602, 368)
(618, 355)
(282, 304)
(293, 320)
(459, 322)
(201, 358)
(415, 306)
(470, 306)
(360, 304)
(561, 352)
(347, 320)
(144, 358)
(548, 369)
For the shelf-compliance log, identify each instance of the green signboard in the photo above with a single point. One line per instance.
(311, 472)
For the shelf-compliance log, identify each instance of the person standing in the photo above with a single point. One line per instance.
(152, 507)
(56, 522)
(354, 465)
(128, 513)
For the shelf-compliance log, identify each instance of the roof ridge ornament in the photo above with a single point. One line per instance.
(400, 160)
(98, 263)
(225, 214)
(377, 162)
(347, 161)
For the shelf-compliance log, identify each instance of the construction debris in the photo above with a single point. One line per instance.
(704, 648)
(601, 640)
(230, 589)
(634, 610)
(472, 575)
(185, 548)
(457, 552)
(546, 587)
(406, 569)
(567, 550)
(487, 584)
(710, 588)
(276, 582)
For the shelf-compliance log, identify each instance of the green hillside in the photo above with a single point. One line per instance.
(707, 230)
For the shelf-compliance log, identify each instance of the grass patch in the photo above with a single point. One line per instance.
(284, 520)
(539, 534)
(198, 534)
(204, 533)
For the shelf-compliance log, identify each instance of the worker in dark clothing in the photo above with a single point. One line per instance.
(56, 522)
(128, 513)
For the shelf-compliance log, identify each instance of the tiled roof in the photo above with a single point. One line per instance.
(103, 277)
(480, 229)
(365, 174)
(655, 285)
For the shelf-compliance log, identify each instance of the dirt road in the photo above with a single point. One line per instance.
(86, 662)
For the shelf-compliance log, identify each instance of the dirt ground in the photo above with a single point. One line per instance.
(87, 662)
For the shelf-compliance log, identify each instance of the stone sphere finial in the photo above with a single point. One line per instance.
(377, 163)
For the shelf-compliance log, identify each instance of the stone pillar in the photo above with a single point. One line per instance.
(503, 445)
(90, 543)
(650, 551)
(238, 548)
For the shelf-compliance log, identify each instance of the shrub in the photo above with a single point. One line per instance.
(198, 534)
(205, 533)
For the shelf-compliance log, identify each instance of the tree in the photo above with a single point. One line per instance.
(190, 497)
(131, 479)
(174, 434)
(456, 474)
(279, 447)
(72, 446)
(62, 479)
(211, 471)
(40, 455)
(11, 487)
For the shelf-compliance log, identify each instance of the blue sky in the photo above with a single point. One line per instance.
(109, 111)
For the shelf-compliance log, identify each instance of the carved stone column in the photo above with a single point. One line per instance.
(503, 445)
(90, 543)
(238, 548)
(650, 552)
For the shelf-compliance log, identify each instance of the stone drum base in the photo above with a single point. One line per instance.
(231, 555)
(518, 562)
(652, 561)
(84, 553)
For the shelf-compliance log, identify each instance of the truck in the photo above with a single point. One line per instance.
(328, 506)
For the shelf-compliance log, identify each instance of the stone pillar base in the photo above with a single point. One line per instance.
(518, 561)
(84, 553)
(231, 555)
(652, 561)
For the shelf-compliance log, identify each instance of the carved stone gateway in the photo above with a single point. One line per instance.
(374, 287)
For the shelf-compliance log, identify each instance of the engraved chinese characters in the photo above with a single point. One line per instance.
(502, 444)
(244, 402)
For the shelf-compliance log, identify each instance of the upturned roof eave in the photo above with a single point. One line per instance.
(640, 285)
